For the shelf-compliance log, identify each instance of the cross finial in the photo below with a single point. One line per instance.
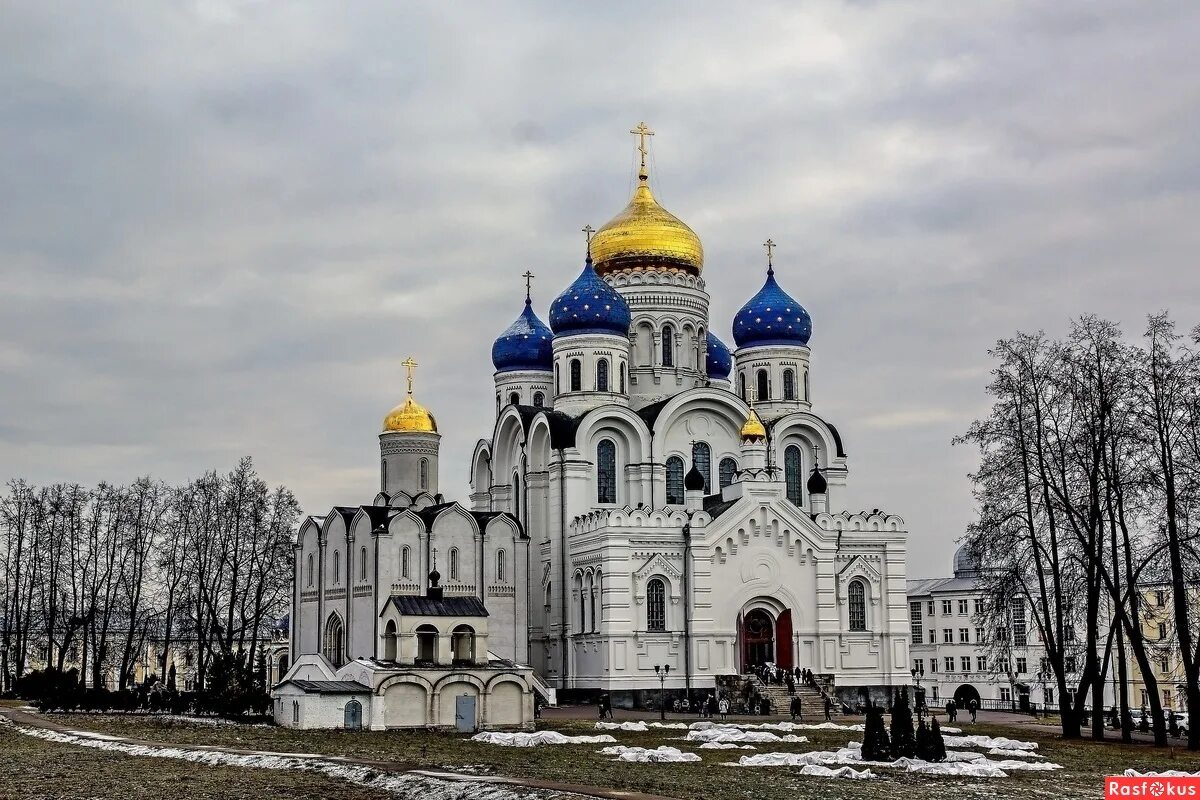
(642, 131)
(409, 364)
(588, 230)
(528, 276)
(770, 245)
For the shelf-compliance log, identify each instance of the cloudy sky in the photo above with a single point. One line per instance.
(224, 224)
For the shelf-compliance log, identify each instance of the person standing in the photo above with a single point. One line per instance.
(797, 709)
(791, 684)
(974, 708)
(723, 708)
(828, 709)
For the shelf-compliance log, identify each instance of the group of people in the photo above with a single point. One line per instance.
(952, 710)
(772, 674)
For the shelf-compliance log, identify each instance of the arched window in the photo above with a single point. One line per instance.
(514, 399)
(597, 598)
(806, 384)
(497, 404)
(453, 563)
(656, 605)
(337, 566)
(557, 382)
(764, 387)
(295, 712)
(674, 480)
(702, 458)
(726, 471)
(335, 641)
(424, 474)
(592, 605)
(539, 400)
(789, 384)
(462, 644)
(499, 566)
(427, 637)
(404, 562)
(792, 473)
(606, 472)
(742, 381)
(857, 596)
(308, 569)
(389, 641)
(576, 375)
(668, 346)
(362, 564)
(516, 503)
(623, 388)
(602, 375)
(383, 474)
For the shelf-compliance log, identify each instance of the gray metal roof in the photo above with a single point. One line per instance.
(330, 687)
(421, 606)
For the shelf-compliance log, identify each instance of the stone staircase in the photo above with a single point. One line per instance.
(781, 702)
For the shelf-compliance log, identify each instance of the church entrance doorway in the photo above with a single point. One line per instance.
(758, 639)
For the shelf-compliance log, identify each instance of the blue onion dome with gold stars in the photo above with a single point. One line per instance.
(589, 305)
(718, 361)
(527, 344)
(771, 317)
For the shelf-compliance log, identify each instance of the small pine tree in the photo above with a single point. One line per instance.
(904, 740)
(876, 746)
(937, 745)
(924, 751)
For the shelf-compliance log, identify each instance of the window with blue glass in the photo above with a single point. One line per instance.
(793, 475)
(674, 480)
(602, 375)
(726, 472)
(702, 458)
(606, 472)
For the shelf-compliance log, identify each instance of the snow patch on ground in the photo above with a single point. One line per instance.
(659, 755)
(406, 785)
(534, 739)
(960, 763)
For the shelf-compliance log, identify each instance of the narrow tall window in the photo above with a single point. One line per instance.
(424, 474)
(383, 475)
(539, 400)
(742, 381)
(805, 384)
(404, 563)
(656, 605)
(857, 595)
(337, 567)
(793, 474)
(362, 564)
(453, 563)
(335, 641)
(557, 383)
(789, 384)
(606, 472)
(623, 388)
(514, 399)
(309, 569)
(516, 504)
(499, 566)
(674, 480)
(764, 386)
(726, 472)
(602, 375)
(668, 346)
(702, 458)
(576, 375)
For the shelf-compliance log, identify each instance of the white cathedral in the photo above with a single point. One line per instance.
(646, 499)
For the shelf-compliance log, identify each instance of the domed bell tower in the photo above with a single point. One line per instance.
(524, 360)
(408, 446)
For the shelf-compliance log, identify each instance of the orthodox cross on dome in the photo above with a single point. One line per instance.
(409, 364)
(528, 276)
(642, 131)
(770, 245)
(588, 230)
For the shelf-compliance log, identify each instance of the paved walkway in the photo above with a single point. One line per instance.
(24, 718)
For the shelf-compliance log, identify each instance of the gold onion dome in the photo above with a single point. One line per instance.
(410, 416)
(753, 429)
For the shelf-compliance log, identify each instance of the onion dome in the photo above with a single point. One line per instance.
(816, 482)
(645, 235)
(409, 417)
(771, 317)
(589, 305)
(525, 345)
(966, 563)
(753, 429)
(694, 480)
(718, 361)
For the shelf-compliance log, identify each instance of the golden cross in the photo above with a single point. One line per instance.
(770, 245)
(409, 364)
(642, 131)
(528, 276)
(588, 230)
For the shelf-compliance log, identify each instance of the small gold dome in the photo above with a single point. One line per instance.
(648, 236)
(753, 429)
(409, 417)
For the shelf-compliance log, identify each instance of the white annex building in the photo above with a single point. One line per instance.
(670, 523)
(630, 510)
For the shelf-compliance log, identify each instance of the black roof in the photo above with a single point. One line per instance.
(421, 606)
(714, 506)
(330, 687)
(482, 518)
(650, 413)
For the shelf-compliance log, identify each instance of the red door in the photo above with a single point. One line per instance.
(783, 640)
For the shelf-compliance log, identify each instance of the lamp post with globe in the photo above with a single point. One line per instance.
(662, 672)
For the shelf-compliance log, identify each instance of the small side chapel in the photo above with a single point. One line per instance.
(379, 637)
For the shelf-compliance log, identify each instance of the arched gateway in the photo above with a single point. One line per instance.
(765, 638)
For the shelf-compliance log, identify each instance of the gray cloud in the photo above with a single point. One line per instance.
(225, 223)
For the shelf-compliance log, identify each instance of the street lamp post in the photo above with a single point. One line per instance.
(1044, 677)
(662, 672)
